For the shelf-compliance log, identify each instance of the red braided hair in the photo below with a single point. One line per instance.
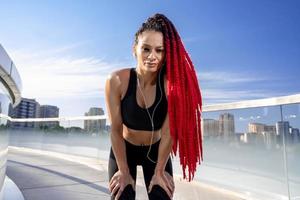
(184, 97)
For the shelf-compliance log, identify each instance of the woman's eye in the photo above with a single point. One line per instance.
(146, 49)
(159, 50)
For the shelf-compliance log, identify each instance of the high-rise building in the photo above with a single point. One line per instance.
(295, 135)
(256, 128)
(262, 133)
(282, 128)
(27, 108)
(226, 124)
(270, 129)
(295, 131)
(210, 127)
(94, 126)
(259, 128)
(49, 111)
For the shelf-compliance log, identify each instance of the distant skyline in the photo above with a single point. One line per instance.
(265, 115)
(64, 50)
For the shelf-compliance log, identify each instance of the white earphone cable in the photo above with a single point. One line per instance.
(151, 116)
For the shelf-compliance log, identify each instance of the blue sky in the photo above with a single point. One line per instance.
(242, 49)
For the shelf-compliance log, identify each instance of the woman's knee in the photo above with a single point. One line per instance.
(158, 193)
(127, 194)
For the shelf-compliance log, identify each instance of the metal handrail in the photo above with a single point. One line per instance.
(274, 101)
(96, 117)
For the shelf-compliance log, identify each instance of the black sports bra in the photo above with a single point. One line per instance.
(136, 117)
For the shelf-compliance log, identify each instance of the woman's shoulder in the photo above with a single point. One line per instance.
(119, 78)
(120, 75)
(120, 72)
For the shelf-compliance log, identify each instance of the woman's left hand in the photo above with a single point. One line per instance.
(164, 180)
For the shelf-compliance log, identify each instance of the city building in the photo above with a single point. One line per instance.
(210, 127)
(263, 133)
(27, 108)
(48, 111)
(257, 128)
(270, 129)
(282, 128)
(295, 135)
(94, 126)
(226, 124)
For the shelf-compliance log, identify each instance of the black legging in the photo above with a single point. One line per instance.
(137, 155)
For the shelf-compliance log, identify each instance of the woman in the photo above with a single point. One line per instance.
(153, 108)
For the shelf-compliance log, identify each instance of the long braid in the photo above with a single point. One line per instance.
(179, 80)
(184, 97)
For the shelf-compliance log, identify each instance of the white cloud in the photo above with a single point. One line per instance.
(249, 118)
(56, 73)
(224, 87)
(228, 77)
(290, 116)
(222, 95)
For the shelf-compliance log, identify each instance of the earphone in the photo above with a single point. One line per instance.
(151, 116)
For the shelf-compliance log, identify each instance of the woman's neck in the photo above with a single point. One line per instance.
(146, 79)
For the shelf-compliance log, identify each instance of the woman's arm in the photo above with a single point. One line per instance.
(113, 99)
(165, 148)
(113, 102)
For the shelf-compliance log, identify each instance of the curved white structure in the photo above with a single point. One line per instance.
(10, 93)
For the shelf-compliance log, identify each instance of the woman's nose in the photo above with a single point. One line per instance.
(152, 55)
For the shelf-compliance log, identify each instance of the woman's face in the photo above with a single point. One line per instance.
(149, 51)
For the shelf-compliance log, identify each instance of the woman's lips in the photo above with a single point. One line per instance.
(151, 64)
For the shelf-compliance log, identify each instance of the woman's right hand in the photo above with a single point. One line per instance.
(119, 181)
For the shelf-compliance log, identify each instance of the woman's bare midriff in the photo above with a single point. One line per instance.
(140, 138)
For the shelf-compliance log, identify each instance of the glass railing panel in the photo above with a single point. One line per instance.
(24, 134)
(253, 151)
(54, 136)
(88, 138)
(243, 151)
(291, 118)
(77, 137)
